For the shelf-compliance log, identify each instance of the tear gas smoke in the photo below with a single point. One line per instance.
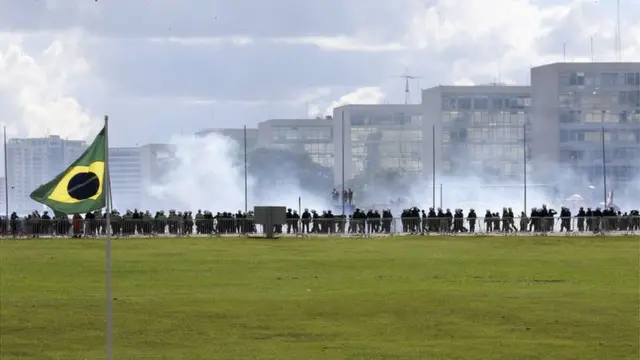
(479, 193)
(208, 173)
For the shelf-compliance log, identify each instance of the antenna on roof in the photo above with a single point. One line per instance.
(407, 90)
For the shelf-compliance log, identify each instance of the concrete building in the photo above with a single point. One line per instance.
(133, 170)
(572, 103)
(477, 130)
(35, 161)
(235, 134)
(126, 175)
(377, 138)
(313, 136)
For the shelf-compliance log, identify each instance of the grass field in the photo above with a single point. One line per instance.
(389, 298)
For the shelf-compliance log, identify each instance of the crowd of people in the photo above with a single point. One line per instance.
(411, 220)
(346, 195)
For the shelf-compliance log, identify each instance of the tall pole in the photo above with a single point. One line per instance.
(107, 189)
(524, 170)
(6, 181)
(433, 164)
(604, 170)
(342, 194)
(618, 33)
(246, 187)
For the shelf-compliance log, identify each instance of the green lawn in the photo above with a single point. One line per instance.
(388, 298)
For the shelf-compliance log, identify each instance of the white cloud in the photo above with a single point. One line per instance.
(204, 41)
(363, 95)
(342, 43)
(38, 87)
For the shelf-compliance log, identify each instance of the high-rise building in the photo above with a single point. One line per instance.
(126, 177)
(574, 105)
(476, 130)
(311, 136)
(377, 138)
(33, 162)
(133, 170)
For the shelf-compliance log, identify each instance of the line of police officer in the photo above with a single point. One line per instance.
(412, 220)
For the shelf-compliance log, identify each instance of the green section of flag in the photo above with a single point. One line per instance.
(59, 214)
(80, 188)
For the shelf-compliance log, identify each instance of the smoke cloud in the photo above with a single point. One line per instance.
(208, 173)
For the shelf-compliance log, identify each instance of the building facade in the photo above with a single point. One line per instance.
(133, 170)
(476, 130)
(377, 138)
(311, 136)
(126, 176)
(34, 161)
(574, 105)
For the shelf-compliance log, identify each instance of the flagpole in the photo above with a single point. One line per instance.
(6, 182)
(342, 194)
(604, 170)
(107, 189)
(246, 195)
(433, 163)
(524, 128)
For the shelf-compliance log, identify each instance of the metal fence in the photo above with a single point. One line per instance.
(28, 228)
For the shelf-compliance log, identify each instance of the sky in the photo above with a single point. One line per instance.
(164, 67)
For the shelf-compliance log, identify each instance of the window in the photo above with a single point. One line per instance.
(629, 98)
(594, 117)
(453, 103)
(465, 103)
(569, 117)
(481, 104)
(577, 79)
(571, 155)
(497, 103)
(593, 136)
(609, 79)
(632, 79)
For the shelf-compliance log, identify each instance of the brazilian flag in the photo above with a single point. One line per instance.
(80, 188)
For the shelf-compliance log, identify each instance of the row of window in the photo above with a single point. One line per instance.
(629, 136)
(614, 155)
(497, 134)
(303, 133)
(485, 151)
(407, 149)
(396, 119)
(326, 160)
(369, 134)
(502, 167)
(599, 116)
(599, 99)
(601, 79)
(614, 173)
(485, 118)
(408, 165)
(475, 102)
(311, 148)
